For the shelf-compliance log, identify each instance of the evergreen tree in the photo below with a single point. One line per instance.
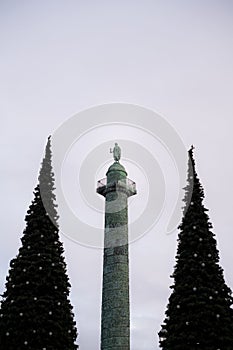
(35, 311)
(199, 314)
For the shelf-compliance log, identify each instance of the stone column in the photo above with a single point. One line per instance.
(115, 316)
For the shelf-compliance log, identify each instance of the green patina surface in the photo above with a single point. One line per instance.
(115, 317)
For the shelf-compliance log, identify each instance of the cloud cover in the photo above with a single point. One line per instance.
(59, 58)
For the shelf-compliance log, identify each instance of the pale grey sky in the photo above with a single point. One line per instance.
(60, 57)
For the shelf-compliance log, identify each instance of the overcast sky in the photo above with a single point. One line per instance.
(61, 57)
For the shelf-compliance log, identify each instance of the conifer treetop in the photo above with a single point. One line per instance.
(199, 313)
(36, 312)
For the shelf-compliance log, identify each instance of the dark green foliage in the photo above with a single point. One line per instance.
(35, 311)
(199, 314)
